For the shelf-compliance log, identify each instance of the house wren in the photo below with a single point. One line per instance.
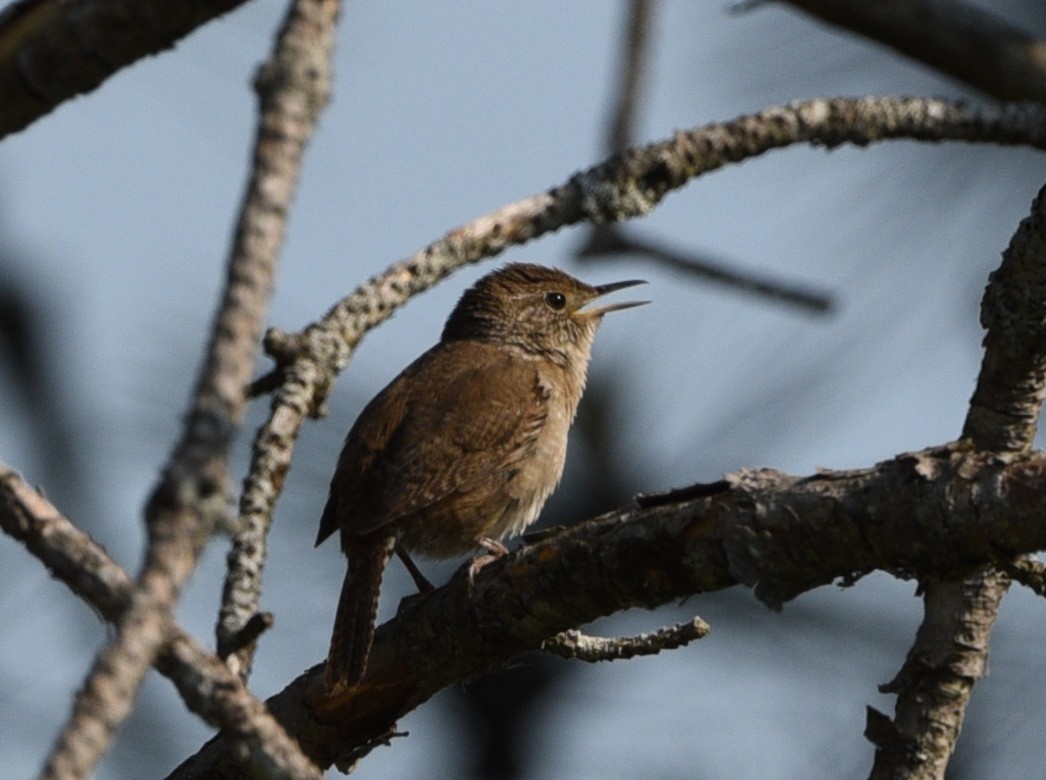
(464, 446)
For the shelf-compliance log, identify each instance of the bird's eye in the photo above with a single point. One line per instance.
(555, 300)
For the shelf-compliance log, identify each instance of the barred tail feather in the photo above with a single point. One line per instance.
(357, 612)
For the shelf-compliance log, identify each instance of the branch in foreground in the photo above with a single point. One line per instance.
(191, 497)
(593, 649)
(958, 39)
(206, 685)
(53, 50)
(936, 511)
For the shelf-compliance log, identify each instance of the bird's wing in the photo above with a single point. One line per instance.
(350, 496)
(482, 419)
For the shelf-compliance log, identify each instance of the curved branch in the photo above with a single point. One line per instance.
(937, 511)
(191, 497)
(627, 185)
(53, 50)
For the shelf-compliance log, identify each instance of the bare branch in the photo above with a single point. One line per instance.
(1005, 407)
(936, 511)
(593, 649)
(293, 86)
(963, 41)
(53, 50)
(626, 185)
(610, 240)
(951, 647)
(204, 682)
(192, 495)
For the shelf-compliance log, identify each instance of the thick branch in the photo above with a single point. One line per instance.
(53, 50)
(939, 511)
(206, 685)
(963, 41)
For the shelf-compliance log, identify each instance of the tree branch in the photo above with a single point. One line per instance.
(206, 685)
(963, 41)
(53, 50)
(1028, 571)
(951, 648)
(937, 511)
(293, 86)
(593, 649)
(627, 185)
(191, 497)
(611, 240)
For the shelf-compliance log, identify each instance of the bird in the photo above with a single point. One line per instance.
(464, 446)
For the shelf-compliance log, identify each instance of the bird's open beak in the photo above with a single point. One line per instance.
(604, 289)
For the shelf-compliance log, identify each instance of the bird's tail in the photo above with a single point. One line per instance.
(357, 612)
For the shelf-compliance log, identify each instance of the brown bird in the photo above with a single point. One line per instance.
(464, 446)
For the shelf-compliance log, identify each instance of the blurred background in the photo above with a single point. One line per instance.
(115, 219)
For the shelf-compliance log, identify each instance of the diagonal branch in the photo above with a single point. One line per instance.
(951, 648)
(53, 50)
(937, 511)
(292, 87)
(960, 40)
(206, 685)
(608, 241)
(191, 497)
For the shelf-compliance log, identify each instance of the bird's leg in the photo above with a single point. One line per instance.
(495, 550)
(424, 586)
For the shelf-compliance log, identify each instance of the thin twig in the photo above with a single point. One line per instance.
(631, 77)
(593, 649)
(206, 685)
(293, 86)
(611, 240)
(608, 240)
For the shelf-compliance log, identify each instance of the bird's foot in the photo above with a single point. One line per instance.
(495, 551)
